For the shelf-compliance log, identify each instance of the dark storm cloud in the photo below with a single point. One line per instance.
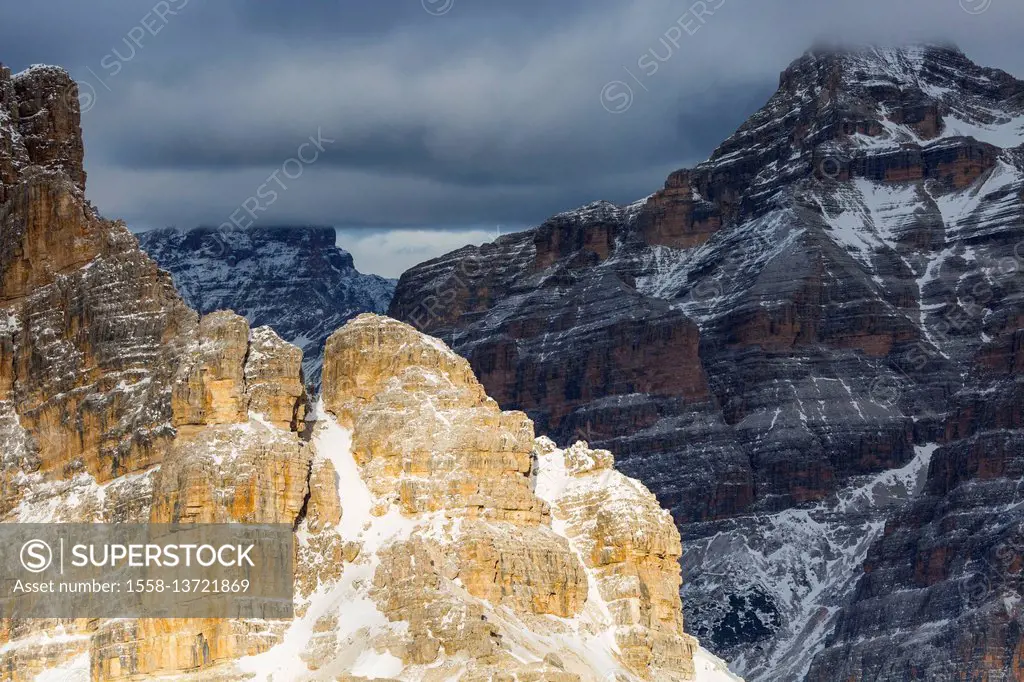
(329, 17)
(451, 114)
(488, 151)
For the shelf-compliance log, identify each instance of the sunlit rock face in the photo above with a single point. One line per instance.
(435, 537)
(117, 403)
(423, 426)
(836, 294)
(468, 538)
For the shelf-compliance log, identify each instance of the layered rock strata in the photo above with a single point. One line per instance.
(832, 294)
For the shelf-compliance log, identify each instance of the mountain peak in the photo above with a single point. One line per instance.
(49, 70)
(838, 50)
(39, 125)
(841, 111)
(898, 65)
(867, 75)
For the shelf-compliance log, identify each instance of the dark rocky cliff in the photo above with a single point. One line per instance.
(809, 347)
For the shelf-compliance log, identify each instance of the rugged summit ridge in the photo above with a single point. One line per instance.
(294, 279)
(39, 124)
(116, 400)
(795, 344)
(436, 539)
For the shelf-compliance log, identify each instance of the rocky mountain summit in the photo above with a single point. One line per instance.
(810, 348)
(293, 279)
(436, 538)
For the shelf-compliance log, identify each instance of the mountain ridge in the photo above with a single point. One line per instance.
(816, 308)
(292, 278)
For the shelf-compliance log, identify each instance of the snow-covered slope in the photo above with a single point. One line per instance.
(804, 562)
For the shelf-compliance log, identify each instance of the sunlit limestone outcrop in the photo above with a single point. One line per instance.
(628, 543)
(427, 434)
(466, 549)
(117, 404)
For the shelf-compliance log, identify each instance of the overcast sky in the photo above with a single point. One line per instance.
(435, 121)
